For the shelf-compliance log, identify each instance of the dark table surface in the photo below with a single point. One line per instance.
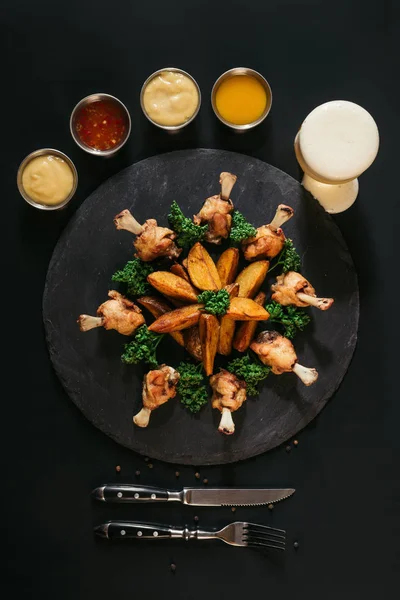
(345, 514)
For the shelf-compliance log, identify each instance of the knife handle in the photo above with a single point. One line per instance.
(121, 493)
(139, 531)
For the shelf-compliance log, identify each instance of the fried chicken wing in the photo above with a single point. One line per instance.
(118, 313)
(229, 393)
(216, 211)
(158, 387)
(151, 241)
(278, 353)
(293, 288)
(270, 239)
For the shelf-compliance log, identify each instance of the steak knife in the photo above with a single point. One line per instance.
(126, 493)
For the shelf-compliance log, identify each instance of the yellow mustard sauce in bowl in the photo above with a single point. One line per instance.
(241, 98)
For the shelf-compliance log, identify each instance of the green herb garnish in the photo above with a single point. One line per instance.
(216, 303)
(142, 348)
(241, 228)
(250, 371)
(191, 387)
(292, 318)
(289, 258)
(188, 232)
(134, 274)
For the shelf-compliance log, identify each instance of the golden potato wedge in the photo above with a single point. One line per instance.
(209, 335)
(226, 333)
(245, 309)
(172, 286)
(157, 307)
(233, 290)
(246, 330)
(202, 270)
(192, 342)
(227, 266)
(180, 271)
(227, 325)
(252, 278)
(178, 319)
(185, 263)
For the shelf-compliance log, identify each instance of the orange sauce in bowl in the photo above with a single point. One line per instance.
(241, 99)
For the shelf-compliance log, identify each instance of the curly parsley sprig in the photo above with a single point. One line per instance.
(241, 228)
(292, 318)
(142, 348)
(216, 303)
(251, 371)
(188, 232)
(134, 275)
(289, 258)
(191, 387)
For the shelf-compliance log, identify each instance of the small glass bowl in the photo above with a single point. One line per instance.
(232, 73)
(41, 152)
(96, 98)
(170, 128)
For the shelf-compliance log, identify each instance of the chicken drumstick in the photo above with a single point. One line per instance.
(229, 393)
(117, 313)
(158, 387)
(270, 238)
(216, 211)
(152, 241)
(278, 353)
(293, 288)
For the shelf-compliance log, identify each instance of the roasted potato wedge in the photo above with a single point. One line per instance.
(226, 333)
(202, 270)
(246, 331)
(185, 263)
(227, 266)
(180, 271)
(227, 325)
(209, 335)
(157, 307)
(172, 286)
(245, 309)
(178, 319)
(192, 342)
(252, 278)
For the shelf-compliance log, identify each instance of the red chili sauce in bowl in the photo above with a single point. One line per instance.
(101, 125)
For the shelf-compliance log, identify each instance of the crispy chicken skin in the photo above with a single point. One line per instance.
(275, 351)
(229, 393)
(118, 313)
(278, 353)
(291, 288)
(159, 386)
(152, 241)
(216, 211)
(269, 240)
(155, 242)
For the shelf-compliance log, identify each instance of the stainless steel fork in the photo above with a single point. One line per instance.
(250, 535)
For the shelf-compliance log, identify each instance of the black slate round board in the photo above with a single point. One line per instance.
(90, 250)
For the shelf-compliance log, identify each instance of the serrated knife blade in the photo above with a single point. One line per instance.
(234, 496)
(132, 493)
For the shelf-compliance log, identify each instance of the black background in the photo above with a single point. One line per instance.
(346, 511)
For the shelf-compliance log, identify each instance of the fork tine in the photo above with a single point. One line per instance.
(265, 538)
(264, 534)
(264, 527)
(264, 545)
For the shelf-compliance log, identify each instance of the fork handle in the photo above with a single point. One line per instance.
(114, 530)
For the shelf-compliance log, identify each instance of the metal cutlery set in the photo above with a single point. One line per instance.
(249, 535)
